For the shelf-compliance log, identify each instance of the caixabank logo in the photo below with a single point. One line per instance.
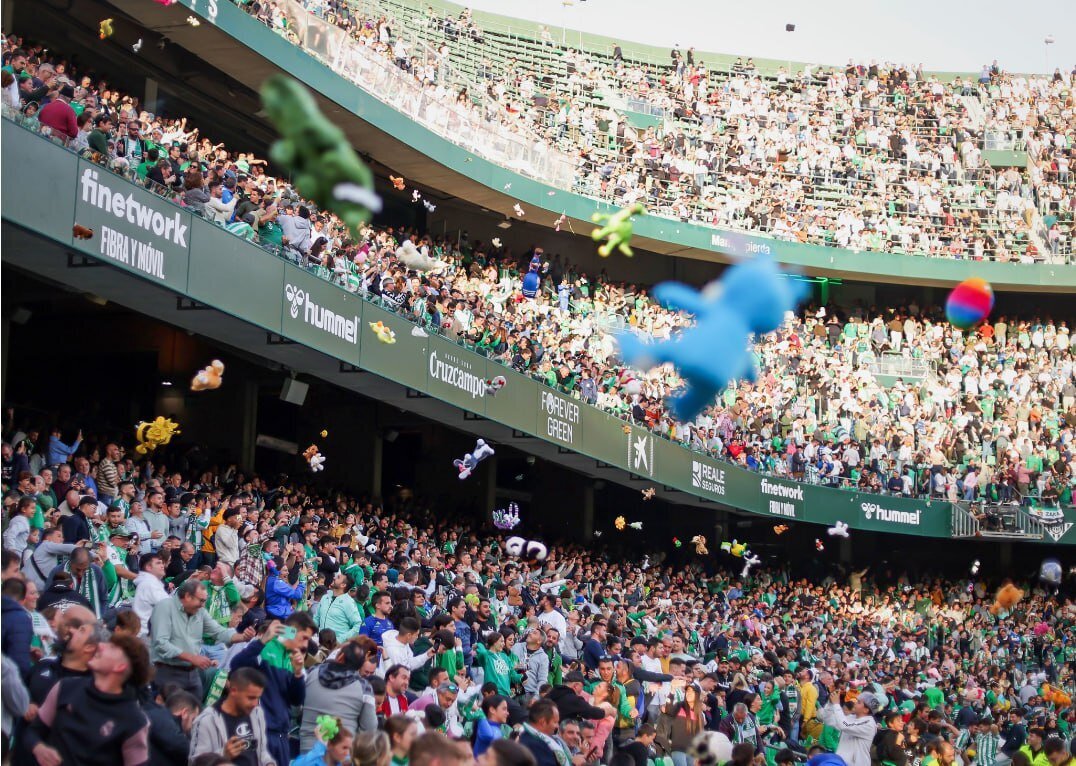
(641, 453)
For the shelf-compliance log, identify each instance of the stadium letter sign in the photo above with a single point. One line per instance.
(132, 228)
(561, 418)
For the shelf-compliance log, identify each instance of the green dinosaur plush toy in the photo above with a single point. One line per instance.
(324, 167)
(616, 230)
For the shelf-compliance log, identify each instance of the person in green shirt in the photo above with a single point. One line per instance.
(498, 666)
(222, 595)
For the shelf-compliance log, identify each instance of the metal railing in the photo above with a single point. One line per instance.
(898, 365)
(994, 520)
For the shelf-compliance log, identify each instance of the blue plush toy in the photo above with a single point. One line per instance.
(752, 297)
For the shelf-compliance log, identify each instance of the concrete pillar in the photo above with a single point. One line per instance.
(377, 463)
(489, 485)
(249, 437)
(588, 510)
(149, 100)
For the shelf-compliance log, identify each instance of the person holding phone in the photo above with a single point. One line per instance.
(235, 726)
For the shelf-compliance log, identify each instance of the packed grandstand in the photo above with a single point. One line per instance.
(174, 609)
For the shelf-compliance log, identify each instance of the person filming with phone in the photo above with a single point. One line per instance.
(235, 726)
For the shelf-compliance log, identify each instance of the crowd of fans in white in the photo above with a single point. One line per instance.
(864, 157)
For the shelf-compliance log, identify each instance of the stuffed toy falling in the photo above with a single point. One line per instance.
(383, 332)
(506, 519)
(751, 298)
(648, 493)
(81, 232)
(559, 222)
(840, 529)
(411, 257)
(104, 29)
(780, 529)
(152, 435)
(736, 548)
(626, 429)
(430, 207)
(818, 546)
(324, 167)
(415, 195)
(493, 385)
(398, 183)
(518, 209)
(525, 549)
(749, 561)
(700, 545)
(620, 522)
(638, 525)
(194, 21)
(1006, 598)
(975, 567)
(616, 230)
(209, 378)
(676, 542)
(314, 458)
(471, 460)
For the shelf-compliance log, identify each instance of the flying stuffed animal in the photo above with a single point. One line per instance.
(209, 378)
(496, 242)
(626, 428)
(398, 183)
(780, 529)
(324, 167)
(152, 435)
(518, 210)
(648, 493)
(616, 229)
(700, 545)
(818, 546)
(136, 47)
(507, 519)
(559, 222)
(975, 567)
(752, 299)
(383, 332)
(620, 522)
(636, 525)
(314, 458)
(525, 549)
(736, 548)
(749, 561)
(1006, 598)
(104, 29)
(493, 385)
(471, 460)
(81, 232)
(840, 529)
(194, 21)
(413, 258)
(430, 207)
(676, 542)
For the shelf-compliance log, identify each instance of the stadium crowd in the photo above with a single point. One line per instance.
(864, 157)
(990, 415)
(175, 613)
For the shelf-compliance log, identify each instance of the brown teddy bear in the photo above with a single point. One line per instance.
(209, 378)
(81, 232)
(1007, 597)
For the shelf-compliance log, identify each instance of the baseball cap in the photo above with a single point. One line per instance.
(871, 702)
(121, 531)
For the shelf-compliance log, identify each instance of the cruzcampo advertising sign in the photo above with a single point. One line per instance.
(132, 228)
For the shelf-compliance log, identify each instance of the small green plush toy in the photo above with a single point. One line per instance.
(616, 230)
(324, 167)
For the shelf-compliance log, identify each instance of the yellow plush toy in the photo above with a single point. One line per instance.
(152, 435)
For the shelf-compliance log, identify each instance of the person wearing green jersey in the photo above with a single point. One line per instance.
(498, 666)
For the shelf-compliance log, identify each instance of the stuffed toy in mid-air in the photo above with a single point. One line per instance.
(470, 461)
(751, 298)
(616, 230)
(152, 435)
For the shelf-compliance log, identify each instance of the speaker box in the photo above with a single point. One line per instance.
(294, 391)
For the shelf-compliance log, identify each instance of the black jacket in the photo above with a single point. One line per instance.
(571, 705)
(539, 749)
(168, 745)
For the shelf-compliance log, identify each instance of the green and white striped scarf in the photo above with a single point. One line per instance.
(86, 588)
(560, 750)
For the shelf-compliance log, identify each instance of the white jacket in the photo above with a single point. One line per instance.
(393, 652)
(149, 590)
(857, 734)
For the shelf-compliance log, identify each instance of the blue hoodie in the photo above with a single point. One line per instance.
(279, 595)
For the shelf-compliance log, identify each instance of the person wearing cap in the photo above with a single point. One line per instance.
(119, 580)
(858, 729)
(569, 699)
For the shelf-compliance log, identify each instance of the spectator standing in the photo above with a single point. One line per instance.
(177, 627)
(279, 654)
(235, 726)
(18, 630)
(226, 539)
(149, 588)
(58, 452)
(337, 610)
(97, 720)
(336, 688)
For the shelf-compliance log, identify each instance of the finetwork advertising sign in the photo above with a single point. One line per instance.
(132, 228)
(782, 499)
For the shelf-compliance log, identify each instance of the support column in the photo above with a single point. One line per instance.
(377, 464)
(489, 486)
(149, 100)
(588, 510)
(249, 433)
